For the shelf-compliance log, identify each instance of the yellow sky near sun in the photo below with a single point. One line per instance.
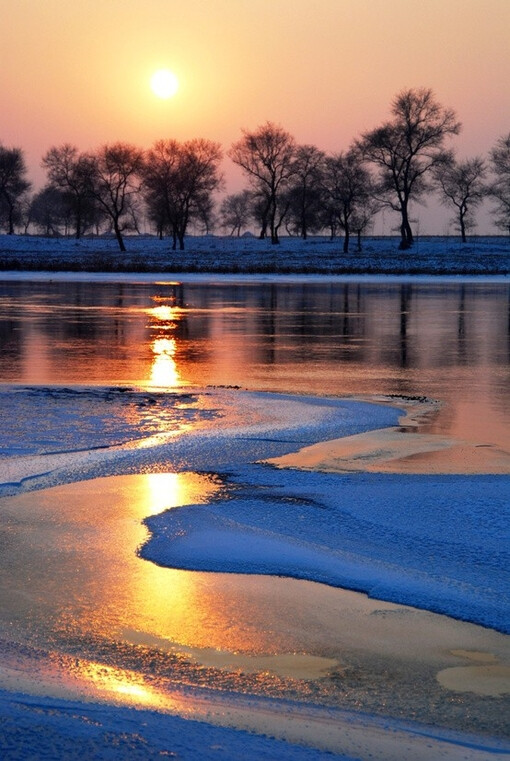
(325, 70)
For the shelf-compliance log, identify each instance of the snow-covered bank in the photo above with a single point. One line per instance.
(211, 278)
(46, 729)
(436, 543)
(126, 430)
(216, 254)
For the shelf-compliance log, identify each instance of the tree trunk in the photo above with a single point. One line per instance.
(304, 230)
(272, 225)
(462, 228)
(406, 234)
(347, 236)
(11, 219)
(462, 222)
(78, 225)
(263, 227)
(118, 235)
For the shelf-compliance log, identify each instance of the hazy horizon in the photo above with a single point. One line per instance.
(325, 71)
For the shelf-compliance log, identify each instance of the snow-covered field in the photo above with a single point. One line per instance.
(430, 255)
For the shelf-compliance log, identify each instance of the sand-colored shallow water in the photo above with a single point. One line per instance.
(402, 449)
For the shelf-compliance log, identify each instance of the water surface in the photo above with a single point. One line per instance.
(445, 340)
(73, 584)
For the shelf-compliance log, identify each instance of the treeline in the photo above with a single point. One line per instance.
(299, 187)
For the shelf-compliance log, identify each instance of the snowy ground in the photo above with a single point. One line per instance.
(430, 255)
(35, 729)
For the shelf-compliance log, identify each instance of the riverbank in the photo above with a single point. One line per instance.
(249, 255)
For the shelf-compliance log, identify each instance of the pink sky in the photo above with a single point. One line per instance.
(324, 69)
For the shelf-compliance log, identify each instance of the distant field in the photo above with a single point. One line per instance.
(217, 254)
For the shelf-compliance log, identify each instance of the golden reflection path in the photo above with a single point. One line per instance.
(164, 320)
(124, 630)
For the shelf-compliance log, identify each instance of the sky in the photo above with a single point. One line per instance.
(326, 70)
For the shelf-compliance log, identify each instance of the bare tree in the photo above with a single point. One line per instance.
(49, 211)
(363, 217)
(205, 215)
(348, 187)
(462, 186)
(236, 211)
(500, 188)
(114, 172)
(267, 158)
(199, 178)
(69, 172)
(305, 192)
(13, 186)
(178, 182)
(406, 149)
(160, 173)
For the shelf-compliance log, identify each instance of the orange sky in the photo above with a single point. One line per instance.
(325, 69)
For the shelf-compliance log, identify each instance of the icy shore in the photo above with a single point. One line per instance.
(432, 541)
(436, 542)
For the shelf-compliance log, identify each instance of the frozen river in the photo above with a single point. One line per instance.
(120, 401)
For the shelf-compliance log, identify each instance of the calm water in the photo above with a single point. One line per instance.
(450, 342)
(447, 341)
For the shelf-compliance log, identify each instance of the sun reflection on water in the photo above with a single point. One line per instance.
(167, 490)
(128, 684)
(119, 685)
(164, 370)
(166, 313)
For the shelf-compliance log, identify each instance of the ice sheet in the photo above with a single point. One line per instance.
(52, 435)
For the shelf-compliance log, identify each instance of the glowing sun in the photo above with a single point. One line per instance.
(164, 83)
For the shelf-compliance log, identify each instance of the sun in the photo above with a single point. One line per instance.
(164, 83)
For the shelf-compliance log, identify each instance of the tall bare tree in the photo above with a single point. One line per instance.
(160, 173)
(305, 192)
(363, 217)
(49, 211)
(178, 182)
(500, 188)
(266, 156)
(406, 149)
(236, 211)
(69, 172)
(114, 172)
(13, 186)
(348, 189)
(462, 185)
